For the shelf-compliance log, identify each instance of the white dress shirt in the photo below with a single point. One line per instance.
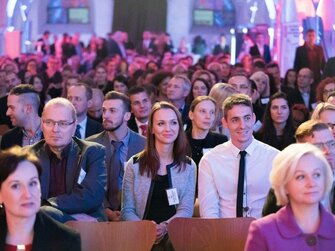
(218, 178)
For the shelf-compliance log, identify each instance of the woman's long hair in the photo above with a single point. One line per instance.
(149, 159)
(268, 131)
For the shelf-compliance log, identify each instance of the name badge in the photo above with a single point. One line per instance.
(172, 196)
(205, 150)
(82, 176)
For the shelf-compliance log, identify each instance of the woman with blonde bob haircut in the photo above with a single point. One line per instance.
(301, 178)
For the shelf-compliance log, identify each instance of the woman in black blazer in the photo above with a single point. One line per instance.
(21, 223)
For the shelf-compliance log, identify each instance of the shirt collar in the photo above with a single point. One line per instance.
(139, 123)
(289, 228)
(125, 140)
(37, 134)
(83, 123)
(250, 149)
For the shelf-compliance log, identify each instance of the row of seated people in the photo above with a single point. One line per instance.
(233, 177)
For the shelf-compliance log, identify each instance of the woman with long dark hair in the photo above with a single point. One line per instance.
(41, 87)
(154, 185)
(277, 129)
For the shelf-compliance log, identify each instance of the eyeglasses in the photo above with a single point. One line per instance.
(328, 91)
(329, 144)
(61, 124)
(331, 125)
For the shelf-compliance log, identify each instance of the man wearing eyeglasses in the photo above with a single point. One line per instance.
(320, 135)
(74, 173)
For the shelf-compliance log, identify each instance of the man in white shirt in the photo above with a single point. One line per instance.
(219, 168)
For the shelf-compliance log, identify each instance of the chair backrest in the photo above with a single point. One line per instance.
(209, 234)
(115, 236)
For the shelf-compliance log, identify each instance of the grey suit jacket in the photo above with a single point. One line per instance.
(136, 144)
(85, 178)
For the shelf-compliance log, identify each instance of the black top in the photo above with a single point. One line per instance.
(159, 209)
(48, 235)
(212, 139)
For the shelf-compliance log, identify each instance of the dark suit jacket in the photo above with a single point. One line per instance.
(136, 144)
(132, 124)
(113, 48)
(266, 56)
(295, 98)
(92, 127)
(4, 119)
(329, 68)
(85, 163)
(48, 235)
(12, 137)
(301, 59)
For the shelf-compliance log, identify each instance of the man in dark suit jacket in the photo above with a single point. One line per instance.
(260, 49)
(310, 56)
(12, 80)
(74, 173)
(121, 143)
(178, 89)
(23, 103)
(80, 96)
(304, 94)
(140, 107)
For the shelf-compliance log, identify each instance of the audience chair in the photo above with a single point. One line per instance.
(115, 236)
(195, 234)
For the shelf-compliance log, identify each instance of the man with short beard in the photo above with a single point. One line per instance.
(120, 142)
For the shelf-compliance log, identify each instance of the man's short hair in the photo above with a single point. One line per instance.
(285, 164)
(186, 82)
(308, 128)
(272, 65)
(310, 31)
(113, 95)
(138, 89)
(88, 90)
(236, 99)
(27, 94)
(62, 102)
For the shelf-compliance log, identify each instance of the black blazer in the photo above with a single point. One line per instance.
(212, 139)
(132, 124)
(329, 68)
(301, 59)
(12, 137)
(48, 235)
(255, 52)
(295, 98)
(4, 119)
(92, 127)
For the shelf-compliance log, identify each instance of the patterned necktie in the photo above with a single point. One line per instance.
(114, 174)
(144, 129)
(77, 133)
(240, 185)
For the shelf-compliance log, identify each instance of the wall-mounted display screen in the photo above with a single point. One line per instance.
(79, 15)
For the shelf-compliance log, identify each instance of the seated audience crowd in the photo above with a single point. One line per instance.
(114, 132)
